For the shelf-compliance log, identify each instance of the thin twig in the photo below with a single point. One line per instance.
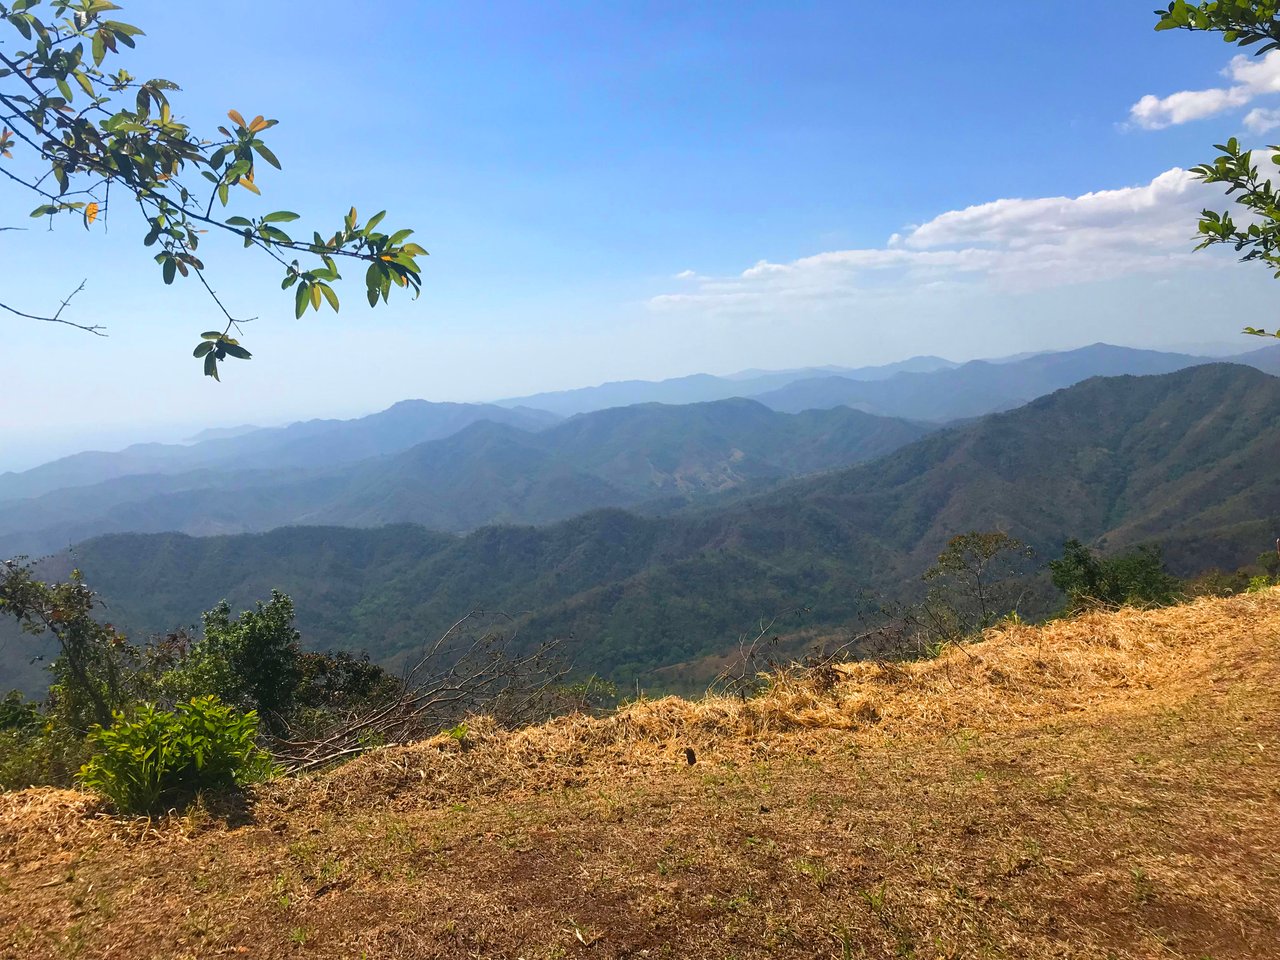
(95, 329)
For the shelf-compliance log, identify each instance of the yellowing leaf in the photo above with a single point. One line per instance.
(90, 213)
(235, 118)
(258, 123)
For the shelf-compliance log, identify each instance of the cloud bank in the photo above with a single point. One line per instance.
(1251, 77)
(1009, 245)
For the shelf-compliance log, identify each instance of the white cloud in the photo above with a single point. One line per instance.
(1009, 245)
(1259, 120)
(1251, 78)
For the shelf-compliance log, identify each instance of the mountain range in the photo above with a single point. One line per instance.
(456, 467)
(703, 387)
(487, 472)
(1186, 458)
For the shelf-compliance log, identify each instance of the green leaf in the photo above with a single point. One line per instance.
(237, 351)
(211, 367)
(329, 295)
(266, 154)
(301, 299)
(169, 269)
(211, 335)
(280, 216)
(202, 349)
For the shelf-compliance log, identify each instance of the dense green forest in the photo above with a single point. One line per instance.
(1186, 459)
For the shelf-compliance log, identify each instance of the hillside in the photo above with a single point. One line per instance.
(484, 473)
(1097, 788)
(1114, 460)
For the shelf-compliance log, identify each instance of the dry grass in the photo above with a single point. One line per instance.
(1101, 787)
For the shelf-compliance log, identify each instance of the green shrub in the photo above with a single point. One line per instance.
(1135, 578)
(156, 758)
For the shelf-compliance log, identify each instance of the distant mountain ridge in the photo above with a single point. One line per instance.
(488, 472)
(1187, 458)
(309, 443)
(922, 388)
(703, 387)
(982, 386)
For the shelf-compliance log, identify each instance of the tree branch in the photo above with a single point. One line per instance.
(95, 329)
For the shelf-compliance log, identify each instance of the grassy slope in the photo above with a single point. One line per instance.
(1105, 787)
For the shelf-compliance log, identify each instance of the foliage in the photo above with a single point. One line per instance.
(1246, 23)
(80, 138)
(91, 669)
(977, 578)
(342, 681)
(18, 713)
(154, 758)
(252, 661)
(335, 685)
(1137, 577)
(1270, 562)
(33, 751)
(1134, 459)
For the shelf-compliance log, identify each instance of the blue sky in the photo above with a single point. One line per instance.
(649, 190)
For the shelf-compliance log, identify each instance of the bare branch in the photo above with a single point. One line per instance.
(453, 677)
(95, 329)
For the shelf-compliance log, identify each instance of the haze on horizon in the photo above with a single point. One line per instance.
(657, 191)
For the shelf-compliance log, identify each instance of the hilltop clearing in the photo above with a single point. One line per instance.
(1101, 787)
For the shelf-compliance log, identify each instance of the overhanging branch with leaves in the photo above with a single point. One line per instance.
(71, 133)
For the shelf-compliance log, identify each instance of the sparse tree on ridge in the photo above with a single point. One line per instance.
(977, 579)
(85, 140)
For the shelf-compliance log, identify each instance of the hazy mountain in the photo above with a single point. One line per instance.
(1266, 359)
(703, 387)
(309, 444)
(222, 433)
(975, 388)
(1189, 458)
(483, 474)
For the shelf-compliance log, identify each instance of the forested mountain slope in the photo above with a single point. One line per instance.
(486, 473)
(1116, 460)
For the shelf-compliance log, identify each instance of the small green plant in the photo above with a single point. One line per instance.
(458, 732)
(156, 758)
(1259, 583)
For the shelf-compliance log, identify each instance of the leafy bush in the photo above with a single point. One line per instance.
(1134, 578)
(35, 751)
(158, 758)
(252, 661)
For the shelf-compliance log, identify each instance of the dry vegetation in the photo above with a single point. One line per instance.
(1104, 787)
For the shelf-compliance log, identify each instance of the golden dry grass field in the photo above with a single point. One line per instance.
(1106, 787)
